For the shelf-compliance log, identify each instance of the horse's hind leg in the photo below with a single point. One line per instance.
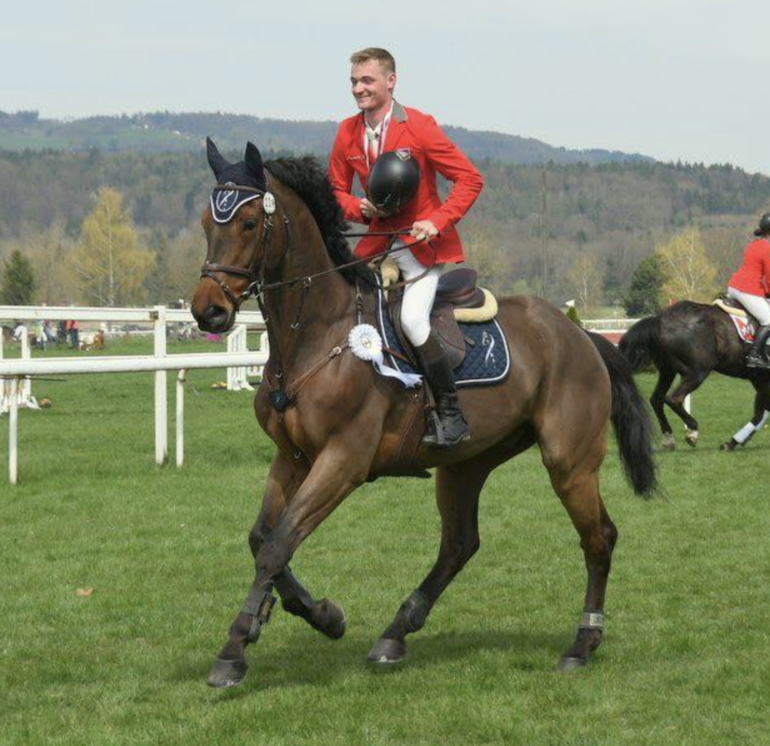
(690, 381)
(457, 492)
(579, 492)
(658, 400)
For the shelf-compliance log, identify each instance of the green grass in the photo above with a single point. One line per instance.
(685, 654)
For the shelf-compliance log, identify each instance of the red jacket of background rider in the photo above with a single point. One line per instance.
(753, 275)
(434, 152)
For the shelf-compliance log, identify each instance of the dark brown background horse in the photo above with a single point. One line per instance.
(345, 424)
(691, 340)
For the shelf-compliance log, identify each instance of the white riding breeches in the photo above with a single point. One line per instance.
(756, 305)
(418, 296)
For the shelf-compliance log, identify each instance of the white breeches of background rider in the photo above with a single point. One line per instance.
(756, 305)
(418, 296)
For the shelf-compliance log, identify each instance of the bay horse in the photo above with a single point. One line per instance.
(336, 423)
(691, 340)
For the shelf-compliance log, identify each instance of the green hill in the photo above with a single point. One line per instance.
(173, 133)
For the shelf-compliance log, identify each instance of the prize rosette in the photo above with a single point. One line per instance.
(366, 344)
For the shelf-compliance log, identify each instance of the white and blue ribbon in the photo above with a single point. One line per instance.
(366, 344)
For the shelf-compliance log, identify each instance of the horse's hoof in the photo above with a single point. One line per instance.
(569, 663)
(335, 621)
(226, 673)
(669, 444)
(387, 651)
(730, 445)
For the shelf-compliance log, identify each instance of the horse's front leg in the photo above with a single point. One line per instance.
(335, 473)
(757, 422)
(286, 476)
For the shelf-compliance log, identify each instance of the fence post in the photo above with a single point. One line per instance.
(26, 386)
(161, 395)
(180, 381)
(4, 385)
(13, 432)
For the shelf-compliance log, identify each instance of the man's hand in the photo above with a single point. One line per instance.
(424, 230)
(368, 210)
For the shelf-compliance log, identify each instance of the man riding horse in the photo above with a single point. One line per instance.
(398, 135)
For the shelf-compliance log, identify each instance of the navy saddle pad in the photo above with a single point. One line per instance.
(487, 360)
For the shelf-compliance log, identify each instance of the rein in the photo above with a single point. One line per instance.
(257, 287)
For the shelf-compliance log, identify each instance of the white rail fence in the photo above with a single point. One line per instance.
(18, 371)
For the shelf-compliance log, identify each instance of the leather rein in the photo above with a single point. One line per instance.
(257, 286)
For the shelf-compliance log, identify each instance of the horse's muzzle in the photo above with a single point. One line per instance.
(215, 319)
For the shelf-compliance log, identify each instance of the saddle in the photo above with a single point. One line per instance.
(745, 323)
(458, 299)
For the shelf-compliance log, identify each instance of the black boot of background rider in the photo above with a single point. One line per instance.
(451, 427)
(757, 357)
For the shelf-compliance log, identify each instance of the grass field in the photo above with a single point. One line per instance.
(685, 658)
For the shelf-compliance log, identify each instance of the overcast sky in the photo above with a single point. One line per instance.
(668, 78)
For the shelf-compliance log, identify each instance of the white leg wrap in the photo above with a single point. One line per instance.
(748, 429)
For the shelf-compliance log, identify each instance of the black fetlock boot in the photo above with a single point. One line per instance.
(449, 427)
(757, 356)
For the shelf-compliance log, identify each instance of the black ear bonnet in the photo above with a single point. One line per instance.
(237, 183)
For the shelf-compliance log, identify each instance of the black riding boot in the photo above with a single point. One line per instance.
(757, 357)
(450, 427)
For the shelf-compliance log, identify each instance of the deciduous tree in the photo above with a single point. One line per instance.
(585, 279)
(110, 262)
(689, 273)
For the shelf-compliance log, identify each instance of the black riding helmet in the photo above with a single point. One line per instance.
(764, 225)
(393, 181)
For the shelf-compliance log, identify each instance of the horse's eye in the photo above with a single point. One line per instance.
(250, 224)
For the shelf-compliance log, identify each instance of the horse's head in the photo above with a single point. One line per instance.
(238, 224)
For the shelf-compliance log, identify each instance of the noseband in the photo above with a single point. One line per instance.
(250, 273)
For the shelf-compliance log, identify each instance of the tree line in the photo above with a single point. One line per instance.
(562, 231)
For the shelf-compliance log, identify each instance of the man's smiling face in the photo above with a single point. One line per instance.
(372, 86)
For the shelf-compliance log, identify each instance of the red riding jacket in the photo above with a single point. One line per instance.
(753, 276)
(434, 151)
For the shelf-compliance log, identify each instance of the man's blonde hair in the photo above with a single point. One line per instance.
(382, 56)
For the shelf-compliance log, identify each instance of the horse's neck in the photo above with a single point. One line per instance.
(304, 320)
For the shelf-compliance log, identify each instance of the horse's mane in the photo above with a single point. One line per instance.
(306, 177)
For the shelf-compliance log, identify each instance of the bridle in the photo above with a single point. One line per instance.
(255, 285)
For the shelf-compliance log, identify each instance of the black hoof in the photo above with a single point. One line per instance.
(227, 673)
(570, 664)
(729, 446)
(387, 651)
(335, 622)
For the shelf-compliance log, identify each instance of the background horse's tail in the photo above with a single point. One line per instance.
(630, 419)
(641, 342)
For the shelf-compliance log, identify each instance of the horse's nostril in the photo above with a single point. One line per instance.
(215, 317)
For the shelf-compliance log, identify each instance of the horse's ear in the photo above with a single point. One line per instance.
(216, 161)
(254, 160)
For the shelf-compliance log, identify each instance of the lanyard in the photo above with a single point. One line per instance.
(383, 128)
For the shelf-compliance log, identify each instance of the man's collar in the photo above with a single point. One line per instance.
(382, 121)
(398, 112)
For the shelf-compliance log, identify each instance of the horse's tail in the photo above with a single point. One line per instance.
(640, 344)
(630, 419)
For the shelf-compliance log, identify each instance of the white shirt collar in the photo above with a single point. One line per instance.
(378, 129)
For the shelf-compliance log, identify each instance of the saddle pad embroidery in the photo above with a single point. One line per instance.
(744, 327)
(488, 361)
